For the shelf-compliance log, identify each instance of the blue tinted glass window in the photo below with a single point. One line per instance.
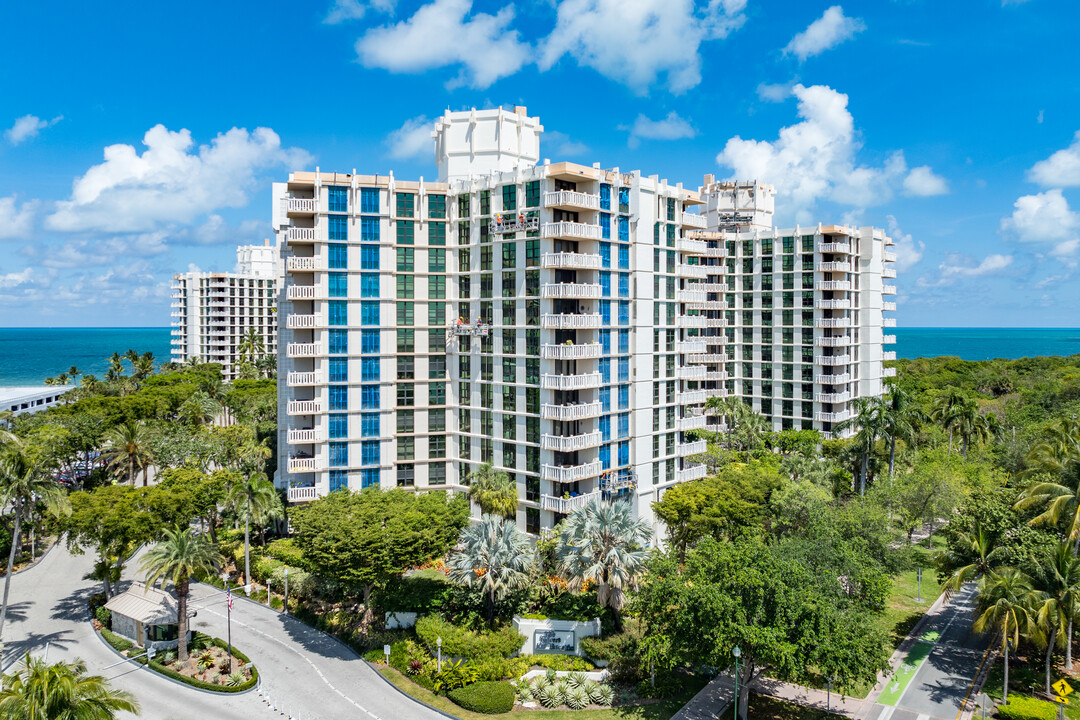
(339, 312)
(624, 341)
(624, 257)
(605, 342)
(605, 312)
(605, 283)
(605, 457)
(338, 199)
(624, 284)
(369, 478)
(338, 227)
(624, 453)
(605, 196)
(369, 425)
(605, 226)
(369, 341)
(369, 257)
(605, 398)
(339, 426)
(339, 397)
(624, 228)
(624, 199)
(605, 370)
(605, 427)
(339, 342)
(369, 312)
(624, 426)
(369, 369)
(369, 200)
(339, 454)
(339, 256)
(624, 312)
(624, 369)
(370, 452)
(369, 397)
(339, 480)
(624, 397)
(369, 285)
(605, 254)
(369, 229)
(339, 369)
(339, 285)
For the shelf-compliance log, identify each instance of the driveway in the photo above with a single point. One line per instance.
(305, 673)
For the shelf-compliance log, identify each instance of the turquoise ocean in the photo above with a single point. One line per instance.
(29, 355)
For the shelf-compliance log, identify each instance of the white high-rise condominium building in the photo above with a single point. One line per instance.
(212, 312)
(555, 320)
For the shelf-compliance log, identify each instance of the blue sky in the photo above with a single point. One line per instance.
(137, 140)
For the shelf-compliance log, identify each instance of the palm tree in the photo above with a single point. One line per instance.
(199, 409)
(978, 552)
(266, 365)
(74, 372)
(253, 494)
(63, 690)
(62, 379)
(22, 484)
(116, 364)
(945, 410)
(867, 417)
(603, 543)
(90, 382)
(142, 366)
(899, 420)
(1004, 604)
(493, 491)
(1058, 579)
(494, 556)
(181, 554)
(1058, 454)
(752, 426)
(730, 410)
(969, 423)
(132, 357)
(129, 446)
(251, 347)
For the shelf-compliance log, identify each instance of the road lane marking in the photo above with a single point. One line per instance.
(975, 678)
(904, 674)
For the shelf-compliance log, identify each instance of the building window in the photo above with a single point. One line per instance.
(463, 205)
(369, 397)
(405, 313)
(337, 199)
(406, 474)
(369, 229)
(339, 397)
(437, 446)
(437, 206)
(338, 227)
(369, 285)
(405, 421)
(406, 231)
(485, 203)
(369, 313)
(406, 340)
(509, 255)
(369, 478)
(338, 285)
(405, 286)
(339, 256)
(339, 480)
(437, 233)
(339, 369)
(369, 200)
(339, 426)
(436, 261)
(369, 342)
(405, 204)
(532, 194)
(405, 394)
(509, 197)
(369, 257)
(369, 369)
(405, 258)
(339, 312)
(369, 452)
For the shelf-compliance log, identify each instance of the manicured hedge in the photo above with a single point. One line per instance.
(490, 698)
(201, 684)
(460, 642)
(1026, 708)
(118, 643)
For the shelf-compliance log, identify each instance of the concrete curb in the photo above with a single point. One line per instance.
(41, 557)
(418, 702)
(971, 705)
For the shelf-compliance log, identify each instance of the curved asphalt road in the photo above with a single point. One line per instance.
(306, 674)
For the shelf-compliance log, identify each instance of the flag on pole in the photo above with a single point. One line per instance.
(229, 597)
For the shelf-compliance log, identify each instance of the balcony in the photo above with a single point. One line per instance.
(569, 443)
(718, 305)
(710, 286)
(582, 291)
(832, 322)
(695, 472)
(301, 292)
(691, 448)
(304, 322)
(691, 346)
(716, 376)
(833, 267)
(888, 322)
(571, 473)
(304, 436)
(304, 464)
(694, 221)
(300, 235)
(304, 407)
(301, 379)
(693, 422)
(585, 381)
(572, 230)
(571, 261)
(832, 341)
(888, 355)
(693, 271)
(699, 321)
(690, 397)
(566, 505)
(832, 304)
(888, 289)
(570, 352)
(570, 321)
(301, 206)
(888, 306)
(832, 285)
(303, 350)
(571, 200)
(304, 494)
(691, 372)
(888, 256)
(888, 339)
(835, 247)
(888, 272)
(888, 372)
(832, 397)
(691, 296)
(581, 411)
(833, 417)
(691, 247)
(707, 358)
(303, 264)
(838, 379)
(832, 360)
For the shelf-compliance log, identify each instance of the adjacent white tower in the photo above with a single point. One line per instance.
(480, 142)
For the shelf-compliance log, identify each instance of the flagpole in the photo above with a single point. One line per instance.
(228, 603)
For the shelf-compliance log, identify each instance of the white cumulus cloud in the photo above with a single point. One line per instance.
(562, 145)
(774, 92)
(908, 251)
(671, 127)
(815, 159)
(16, 219)
(1062, 169)
(922, 182)
(412, 140)
(956, 266)
(346, 10)
(828, 31)
(27, 127)
(447, 33)
(15, 279)
(1045, 218)
(635, 43)
(171, 182)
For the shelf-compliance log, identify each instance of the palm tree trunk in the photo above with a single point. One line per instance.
(131, 470)
(1005, 687)
(965, 446)
(892, 454)
(950, 442)
(145, 473)
(862, 473)
(1050, 655)
(11, 563)
(1068, 646)
(247, 527)
(181, 620)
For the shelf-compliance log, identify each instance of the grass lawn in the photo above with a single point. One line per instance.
(763, 707)
(656, 711)
(904, 609)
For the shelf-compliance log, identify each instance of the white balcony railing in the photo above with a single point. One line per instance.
(303, 350)
(713, 287)
(888, 339)
(832, 304)
(888, 306)
(581, 411)
(301, 292)
(888, 272)
(708, 305)
(707, 358)
(569, 443)
(691, 296)
(308, 206)
(304, 464)
(693, 422)
(690, 397)
(690, 372)
(694, 220)
(888, 322)
(888, 289)
(844, 248)
(571, 260)
(584, 291)
(550, 381)
(832, 360)
(832, 285)
(303, 264)
(297, 234)
(691, 247)
(832, 341)
(691, 346)
(566, 505)
(716, 376)
(833, 267)
(303, 436)
(300, 379)
(832, 322)
(833, 417)
(832, 397)
(699, 321)
(888, 372)
(570, 321)
(571, 473)
(888, 256)
(695, 271)
(570, 352)
(695, 472)
(888, 355)
(304, 407)
(837, 379)
(567, 229)
(572, 199)
(690, 448)
(304, 494)
(304, 322)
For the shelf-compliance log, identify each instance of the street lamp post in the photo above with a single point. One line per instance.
(737, 653)
(228, 605)
(438, 662)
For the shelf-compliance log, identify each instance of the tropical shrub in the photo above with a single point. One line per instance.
(103, 616)
(454, 675)
(577, 679)
(605, 695)
(489, 698)
(576, 698)
(118, 643)
(561, 663)
(286, 551)
(1026, 708)
(460, 642)
(549, 696)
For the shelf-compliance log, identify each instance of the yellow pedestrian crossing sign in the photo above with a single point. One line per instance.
(1061, 700)
(1062, 688)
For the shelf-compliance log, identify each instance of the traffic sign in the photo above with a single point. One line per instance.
(1062, 688)
(1061, 700)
